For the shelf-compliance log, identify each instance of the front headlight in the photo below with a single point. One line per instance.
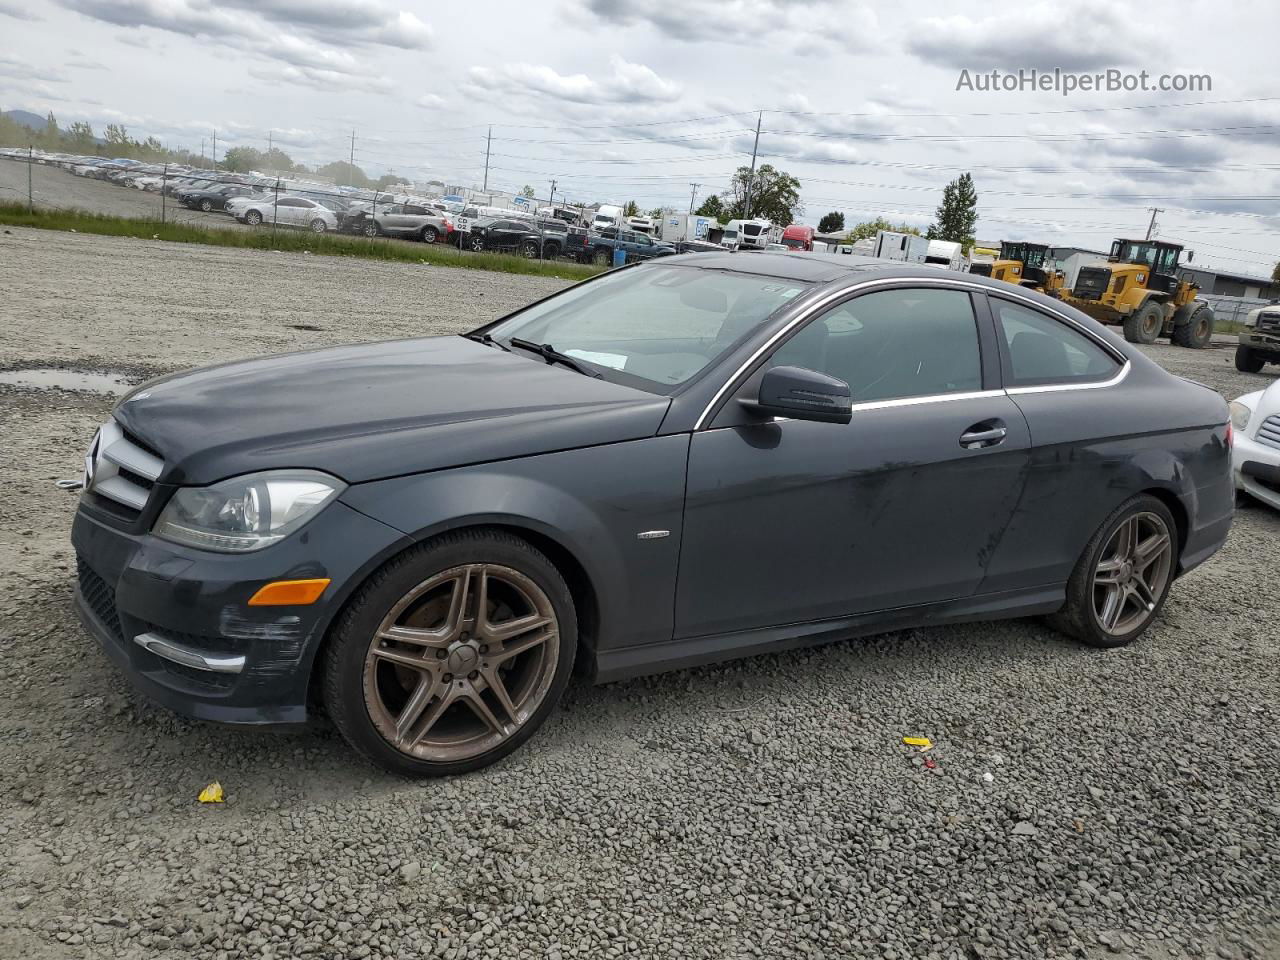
(1240, 415)
(246, 513)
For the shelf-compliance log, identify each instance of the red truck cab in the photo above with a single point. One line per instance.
(797, 237)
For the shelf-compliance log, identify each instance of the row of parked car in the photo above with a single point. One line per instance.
(255, 199)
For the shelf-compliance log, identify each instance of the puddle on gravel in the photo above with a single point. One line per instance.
(53, 378)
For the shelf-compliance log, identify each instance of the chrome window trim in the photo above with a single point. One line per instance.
(945, 283)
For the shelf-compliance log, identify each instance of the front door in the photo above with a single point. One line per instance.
(790, 521)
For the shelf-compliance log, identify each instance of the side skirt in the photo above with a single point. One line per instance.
(652, 658)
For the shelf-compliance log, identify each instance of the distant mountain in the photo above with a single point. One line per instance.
(26, 118)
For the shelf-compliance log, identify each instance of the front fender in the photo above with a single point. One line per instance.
(592, 502)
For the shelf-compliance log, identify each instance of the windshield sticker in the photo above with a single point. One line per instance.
(614, 361)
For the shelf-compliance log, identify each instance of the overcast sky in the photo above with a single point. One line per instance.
(637, 99)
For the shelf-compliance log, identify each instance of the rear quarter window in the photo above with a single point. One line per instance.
(1041, 350)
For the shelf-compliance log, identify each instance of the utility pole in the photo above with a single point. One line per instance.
(752, 175)
(351, 164)
(202, 142)
(553, 193)
(1151, 227)
(215, 149)
(694, 195)
(31, 162)
(487, 143)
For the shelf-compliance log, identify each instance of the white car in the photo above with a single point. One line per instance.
(1255, 456)
(286, 211)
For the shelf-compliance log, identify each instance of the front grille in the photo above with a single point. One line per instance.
(1269, 431)
(122, 469)
(100, 598)
(1269, 321)
(1091, 282)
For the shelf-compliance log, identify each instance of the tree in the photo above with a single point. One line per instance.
(713, 206)
(80, 137)
(528, 191)
(631, 209)
(770, 194)
(657, 213)
(957, 216)
(831, 222)
(869, 228)
(1275, 274)
(242, 160)
(342, 172)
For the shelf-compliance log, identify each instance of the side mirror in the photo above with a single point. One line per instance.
(801, 394)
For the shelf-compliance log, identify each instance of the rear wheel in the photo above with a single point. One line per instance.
(600, 258)
(452, 655)
(318, 226)
(429, 235)
(1143, 325)
(1122, 579)
(1195, 330)
(1248, 360)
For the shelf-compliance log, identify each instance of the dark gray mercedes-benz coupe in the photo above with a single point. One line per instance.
(674, 463)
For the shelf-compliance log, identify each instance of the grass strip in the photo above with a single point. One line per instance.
(290, 240)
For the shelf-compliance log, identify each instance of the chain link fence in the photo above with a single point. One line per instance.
(175, 194)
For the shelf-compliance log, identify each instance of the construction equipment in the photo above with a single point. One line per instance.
(1140, 289)
(1022, 264)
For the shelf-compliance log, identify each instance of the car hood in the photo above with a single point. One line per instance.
(376, 410)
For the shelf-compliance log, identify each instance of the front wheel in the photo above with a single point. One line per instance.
(318, 226)
(1194, 331)
(600, 258)
(1144, 324)
(206, 205)
(452, 655)
(1248, 360)
(476, 244)
(1122, 579)
(253, 218)
(370, 229)
(530, 251)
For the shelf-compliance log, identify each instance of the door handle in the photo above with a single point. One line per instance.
(983, 435)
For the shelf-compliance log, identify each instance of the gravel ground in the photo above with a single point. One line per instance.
(1079, 803)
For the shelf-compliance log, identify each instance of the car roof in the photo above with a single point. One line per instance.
(813, 267)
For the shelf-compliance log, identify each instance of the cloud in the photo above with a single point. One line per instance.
(319, 78)
(629, 83)
(806, 23)
(11, 8)
(20, 70)
(314, 39)
(430, 101)
(1096, 35)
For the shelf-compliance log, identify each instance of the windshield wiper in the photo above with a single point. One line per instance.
(552, 355)
(487, 338)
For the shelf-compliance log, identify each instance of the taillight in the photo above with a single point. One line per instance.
(1231, 434)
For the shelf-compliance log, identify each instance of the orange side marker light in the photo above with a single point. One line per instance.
(289, 593)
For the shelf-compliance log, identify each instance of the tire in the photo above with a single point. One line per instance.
(429, 235)
(1193, 326)
(551, 251)
(318, 225)
(529, 251)
(357, 682)
(370, 229)
(252, 218)
(1248, 360)
(1145, 323)
(600, 258)
(476, 243)
(206, 205)
(1080, 617)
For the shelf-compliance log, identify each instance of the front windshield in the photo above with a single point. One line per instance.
(653, 327)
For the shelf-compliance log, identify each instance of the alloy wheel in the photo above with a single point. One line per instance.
(1132, 573)
(461, 662)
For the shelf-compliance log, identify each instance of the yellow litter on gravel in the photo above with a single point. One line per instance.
(917, 741)
(212, 793)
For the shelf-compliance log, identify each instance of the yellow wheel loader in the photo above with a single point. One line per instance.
(1139, 289)
(1022, 264)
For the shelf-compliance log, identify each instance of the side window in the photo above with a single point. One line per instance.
(896, 343)
(1041, 350)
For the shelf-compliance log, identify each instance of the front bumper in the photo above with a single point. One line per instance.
(1256, 469)
(176, 619)
(1268, 343)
